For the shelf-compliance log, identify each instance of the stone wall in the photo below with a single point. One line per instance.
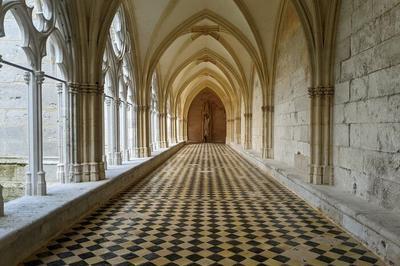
(292, 104)
(257, 116)
(217, 122)
(367, 101)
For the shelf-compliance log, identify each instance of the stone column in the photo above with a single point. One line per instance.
(267, 112)
(238, 129)
(162, 118)
(247, 133)
(86, 105)
(110, 129)
(1, 201)
(105, 121)
(117, 155)
(60, 165)
(181, 130)
(321, 150)
(173, 130)
(143, 136)
(151, 130)
(124, 131)
(35, 177)
(134, 146)
(185, 129)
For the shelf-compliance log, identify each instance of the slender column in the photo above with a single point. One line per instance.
(181, 130)
(110, 129)
(321, 151)
(238, 129)
(60, 165)
(163, 130)
(134, 146)
(117, 156)
(1, 201)
(124, 131)
(247, 133)
(143, 136)
(35, 181)
(105, 142)
(267, 112)
(173, 130)
(151, 130)
(185, 130)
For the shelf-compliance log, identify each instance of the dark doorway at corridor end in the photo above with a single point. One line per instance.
(207, 118)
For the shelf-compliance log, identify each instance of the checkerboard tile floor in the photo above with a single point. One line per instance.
(205, 206)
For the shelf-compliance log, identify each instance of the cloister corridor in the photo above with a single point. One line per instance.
(205, 206)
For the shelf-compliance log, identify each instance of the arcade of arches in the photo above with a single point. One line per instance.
(255, 99)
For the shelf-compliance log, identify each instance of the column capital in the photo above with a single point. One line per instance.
(143, 108)
(320, 91)
(39, 75)
(59, 86)
(86, 88)
(267, 108)
(108, 101)
(248, 115)
(27, 77)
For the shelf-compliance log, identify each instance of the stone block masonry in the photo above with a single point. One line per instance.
(367, 102)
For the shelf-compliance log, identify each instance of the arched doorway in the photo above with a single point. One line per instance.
(207, 118)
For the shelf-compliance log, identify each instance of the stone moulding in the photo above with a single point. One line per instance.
(30, 222)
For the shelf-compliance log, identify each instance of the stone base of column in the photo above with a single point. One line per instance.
(247, 145)
(105, 162)
(1, 201)
(75, 173)
(28, 184)
(163, 144)
(88, 172)
(267, 153)
(117, 158)
(133, 153)
(143, 152)
(126, 155)
(41, 185)
(321, 175)
(61, 173)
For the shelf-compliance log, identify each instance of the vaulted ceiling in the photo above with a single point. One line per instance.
(192, 44)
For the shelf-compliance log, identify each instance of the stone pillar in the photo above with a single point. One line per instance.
(321, 150)
(238, 129)
(35, 177)
(173, 130)
(181, 130)
(162, 118)
(247, 133)
(134, 146)
(105, 121)
(60, 165)
(124, 131)
(110, 129)
(1, 201)
(143, 136)
(86, 104)
(230, 136)
(117, 155)
(185, 129)
(268, 113)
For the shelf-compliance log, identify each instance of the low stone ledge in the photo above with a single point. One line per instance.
(377, 228)
(30, 222)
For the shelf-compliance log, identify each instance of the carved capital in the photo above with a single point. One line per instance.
(85, 88)
(248, 115)
(27, 77)
(39, 76)
(267, 108)
(320, 91)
